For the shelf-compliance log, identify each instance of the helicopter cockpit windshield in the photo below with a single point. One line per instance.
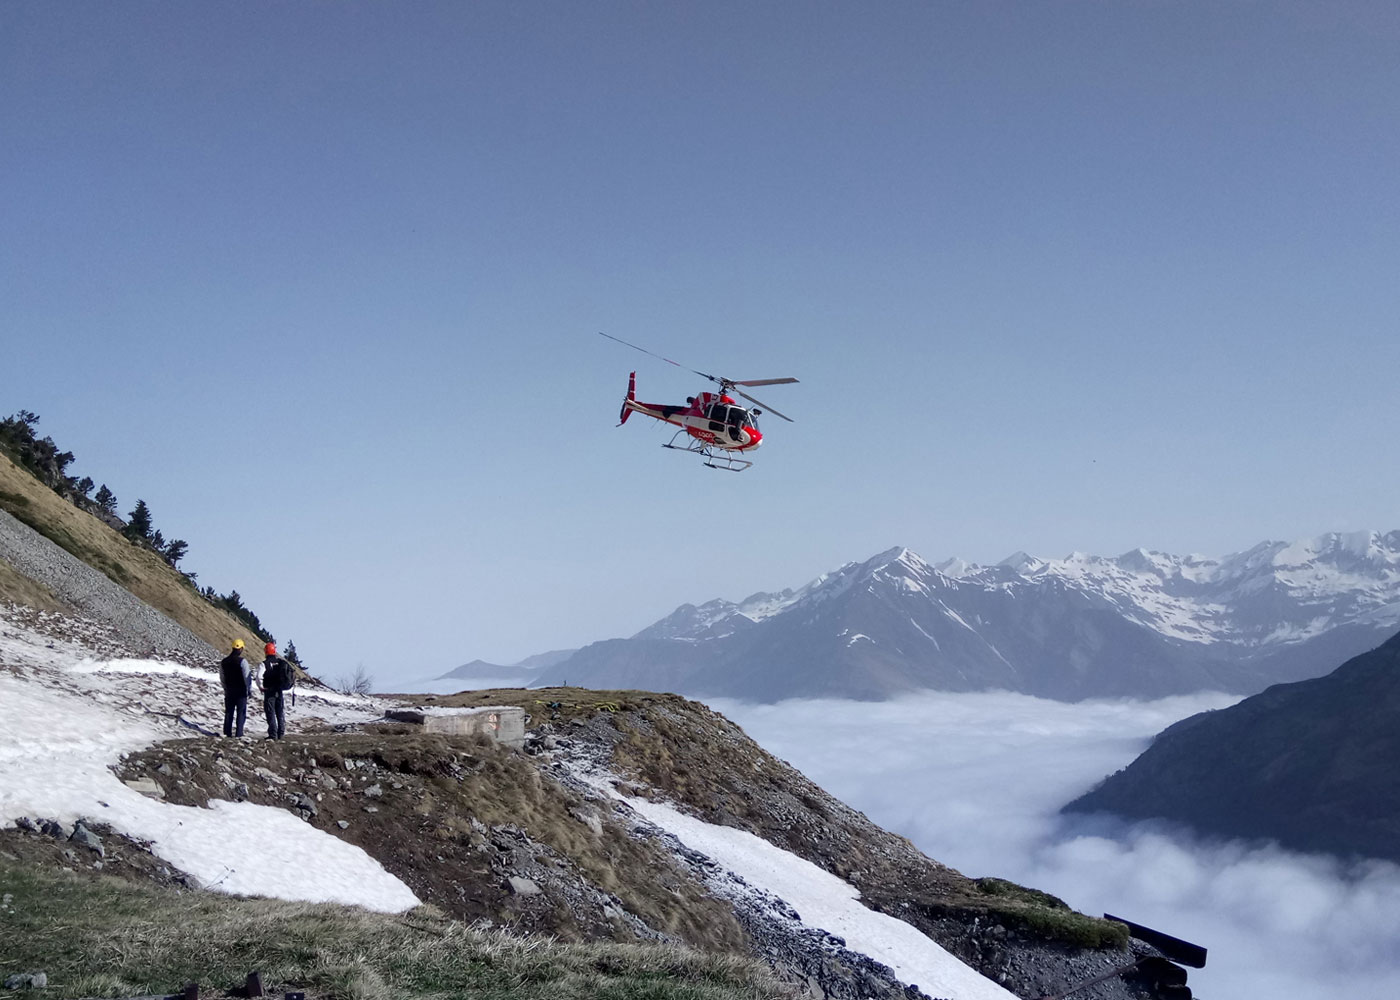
(728, 418)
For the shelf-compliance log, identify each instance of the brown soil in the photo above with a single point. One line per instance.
(121, 857)
(455, 818)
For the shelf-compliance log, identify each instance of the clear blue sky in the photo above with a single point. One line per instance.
(321, 283)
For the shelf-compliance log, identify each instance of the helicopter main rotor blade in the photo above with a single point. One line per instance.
(712, 378)
(765, 381)
(759, 402)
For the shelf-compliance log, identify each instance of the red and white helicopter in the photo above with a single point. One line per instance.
(711, 424)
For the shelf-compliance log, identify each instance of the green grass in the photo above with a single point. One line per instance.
(96, 936)
(1049, 916)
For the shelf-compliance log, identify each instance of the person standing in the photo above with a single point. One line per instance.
(277, 678)
(237, 679)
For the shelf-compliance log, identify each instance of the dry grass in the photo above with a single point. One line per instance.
(693, 756)
(138, 569)
(545, 703)
(19, 589)
(437, 793)
(96, 935)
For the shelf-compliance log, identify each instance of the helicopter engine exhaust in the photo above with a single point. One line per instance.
(631, 395)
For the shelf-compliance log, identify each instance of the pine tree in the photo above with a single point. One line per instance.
(106, 499)
(291, 653)
(138, 522)
(174, 551)
(84, 486)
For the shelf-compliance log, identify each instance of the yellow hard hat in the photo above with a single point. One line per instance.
(237, 643)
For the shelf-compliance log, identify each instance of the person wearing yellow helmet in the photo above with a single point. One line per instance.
(237, 679)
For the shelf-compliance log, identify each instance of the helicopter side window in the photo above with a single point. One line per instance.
(738, 416)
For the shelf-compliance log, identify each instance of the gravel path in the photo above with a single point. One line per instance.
(139, 626)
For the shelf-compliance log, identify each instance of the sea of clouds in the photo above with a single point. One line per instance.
(977, 780)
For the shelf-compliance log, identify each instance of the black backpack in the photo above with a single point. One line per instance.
(279, 675)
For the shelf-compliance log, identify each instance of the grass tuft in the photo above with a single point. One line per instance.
(99, 936)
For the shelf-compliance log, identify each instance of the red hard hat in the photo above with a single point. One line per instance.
(270, 649)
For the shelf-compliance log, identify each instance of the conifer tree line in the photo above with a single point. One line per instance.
(42, 458)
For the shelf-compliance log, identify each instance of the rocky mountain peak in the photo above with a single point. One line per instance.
(1142, 624)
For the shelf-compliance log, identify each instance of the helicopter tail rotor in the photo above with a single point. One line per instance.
(631, 396)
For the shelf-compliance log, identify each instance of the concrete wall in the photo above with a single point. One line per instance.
(505, 723)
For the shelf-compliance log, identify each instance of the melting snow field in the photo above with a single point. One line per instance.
(823, 901)
(828, 903)
(64, 720)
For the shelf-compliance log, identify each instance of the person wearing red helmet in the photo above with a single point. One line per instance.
(278, 676)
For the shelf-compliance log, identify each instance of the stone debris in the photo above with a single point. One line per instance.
(26, 980)
(84, 837)
(147, 786)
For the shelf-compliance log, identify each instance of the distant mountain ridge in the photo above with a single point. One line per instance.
(1142, 624)
(525, 669)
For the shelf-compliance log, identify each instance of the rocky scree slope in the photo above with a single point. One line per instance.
(1144, 624)
(1309, 764)
(56, 557)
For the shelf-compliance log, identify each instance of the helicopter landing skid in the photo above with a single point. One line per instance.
(714, 458)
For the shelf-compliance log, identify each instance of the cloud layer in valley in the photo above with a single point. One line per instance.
(976, 781)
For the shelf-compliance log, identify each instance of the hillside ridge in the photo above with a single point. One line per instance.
(529, 840)
(57, 555)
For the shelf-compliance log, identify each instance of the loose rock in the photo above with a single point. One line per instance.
(26, 980)
(86, 838)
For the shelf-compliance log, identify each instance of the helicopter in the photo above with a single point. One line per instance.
(711, 424)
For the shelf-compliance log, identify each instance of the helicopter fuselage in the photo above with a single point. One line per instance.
(713, 419)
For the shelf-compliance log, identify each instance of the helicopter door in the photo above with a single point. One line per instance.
(735, 421)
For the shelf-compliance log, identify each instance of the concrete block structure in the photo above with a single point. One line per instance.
(504, 723)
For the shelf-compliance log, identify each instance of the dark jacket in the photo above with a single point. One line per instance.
(236, 675)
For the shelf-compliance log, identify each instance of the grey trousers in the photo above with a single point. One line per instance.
(276, 714)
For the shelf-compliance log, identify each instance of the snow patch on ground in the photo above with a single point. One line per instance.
(823, 901)
(65, 719)
(828, 903)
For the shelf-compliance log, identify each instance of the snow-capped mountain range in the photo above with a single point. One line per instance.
(1142, 624)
